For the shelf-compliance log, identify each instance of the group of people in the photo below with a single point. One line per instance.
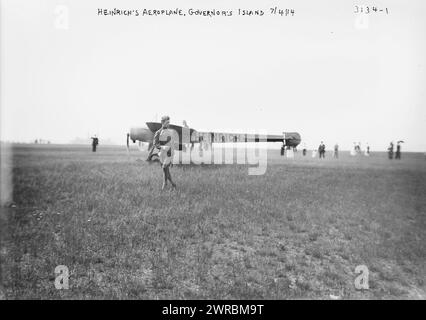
(356, 150)
(398, 150)
(321, 151)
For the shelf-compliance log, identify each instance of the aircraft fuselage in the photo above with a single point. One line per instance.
(189, 135)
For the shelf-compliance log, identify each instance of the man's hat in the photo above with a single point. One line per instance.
(165, 119)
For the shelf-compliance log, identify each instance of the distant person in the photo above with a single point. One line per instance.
(95, 142)
(282, 150)
(390, 151)
(336, 151)
(367, 150)
(321, 150)
(304, 151)
(398, 151)
(353, 150)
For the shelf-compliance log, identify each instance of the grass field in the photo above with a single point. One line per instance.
(299, 231)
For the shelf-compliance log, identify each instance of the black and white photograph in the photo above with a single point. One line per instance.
(213, 150)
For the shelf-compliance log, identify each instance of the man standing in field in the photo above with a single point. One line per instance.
(321, 150)
(390, 151)
(95, 142)
(165, 142)
(336, 151)
(398, 151)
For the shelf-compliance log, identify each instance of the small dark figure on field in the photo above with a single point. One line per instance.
(304, 151)
(321, 150)
(398, 151)
(357, 148)
(95, 142)
(336, 151)
(390, 151)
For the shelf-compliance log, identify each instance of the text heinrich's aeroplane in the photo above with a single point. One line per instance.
(191, 136)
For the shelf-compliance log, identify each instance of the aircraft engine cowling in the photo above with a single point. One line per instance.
(141, 134)
(292, 139)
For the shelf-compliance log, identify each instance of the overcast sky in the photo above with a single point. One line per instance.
(325, 73)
